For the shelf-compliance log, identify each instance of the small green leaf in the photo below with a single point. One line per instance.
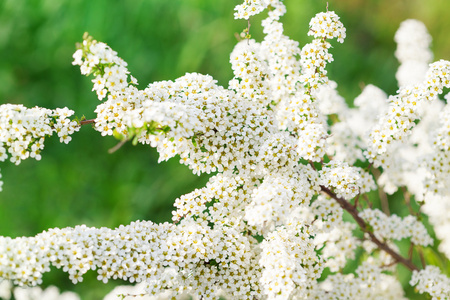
(166, 129)
(135, 140)
(194, 142)
(118, 135)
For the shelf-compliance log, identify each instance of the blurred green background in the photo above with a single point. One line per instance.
(81, 183)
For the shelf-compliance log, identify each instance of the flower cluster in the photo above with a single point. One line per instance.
(99, 59)
(188, 257)
(413, 52)
(23, 130)
(335, 236)
(430, 280)
(200, 121)
(437, 207)
(250, 8)
(192, 117)
(220, 201)
(111, 80)
(346, 181)
(404, 110)
(290, 263)
(403, 151)
(348, 137)
(370, 283)
(315, 55)
(437, 164)
(279, 197)
(396, 228)
(299, 114)
(436, 190)
(281, 54)
(326, 25)
(250, 72)
(33, 293)
(136, 292)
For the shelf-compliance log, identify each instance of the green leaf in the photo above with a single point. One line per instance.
(194, 142)
(435, 259)
(135, 140)
(118, 135)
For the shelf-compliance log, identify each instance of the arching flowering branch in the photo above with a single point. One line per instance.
(403, 111)
(24, 130)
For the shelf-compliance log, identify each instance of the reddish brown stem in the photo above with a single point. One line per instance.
(410, 251)
(422, 257)
(85, 122)
(362, 224)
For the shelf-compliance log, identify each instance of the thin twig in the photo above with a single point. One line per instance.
(118, 146)
(410, 251)
(381, 194)
(248, 31)
(312, 165)
(407, 197)
(355, 205)
(422, 257)
(362, 224)
(389, 265)
(366, 200)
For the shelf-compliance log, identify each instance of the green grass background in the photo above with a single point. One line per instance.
(81, 183)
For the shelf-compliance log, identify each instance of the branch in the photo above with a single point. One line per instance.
(362, 224)
(422, 258)
(407, 197)
(118, 146)
(383, 197)
(85, 122)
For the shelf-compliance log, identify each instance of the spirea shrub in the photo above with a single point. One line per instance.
(286, 209)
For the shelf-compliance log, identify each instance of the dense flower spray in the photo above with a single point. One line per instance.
(286, 153)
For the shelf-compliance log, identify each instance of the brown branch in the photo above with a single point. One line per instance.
(362, 224)
(85, 122)
(312, 165)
